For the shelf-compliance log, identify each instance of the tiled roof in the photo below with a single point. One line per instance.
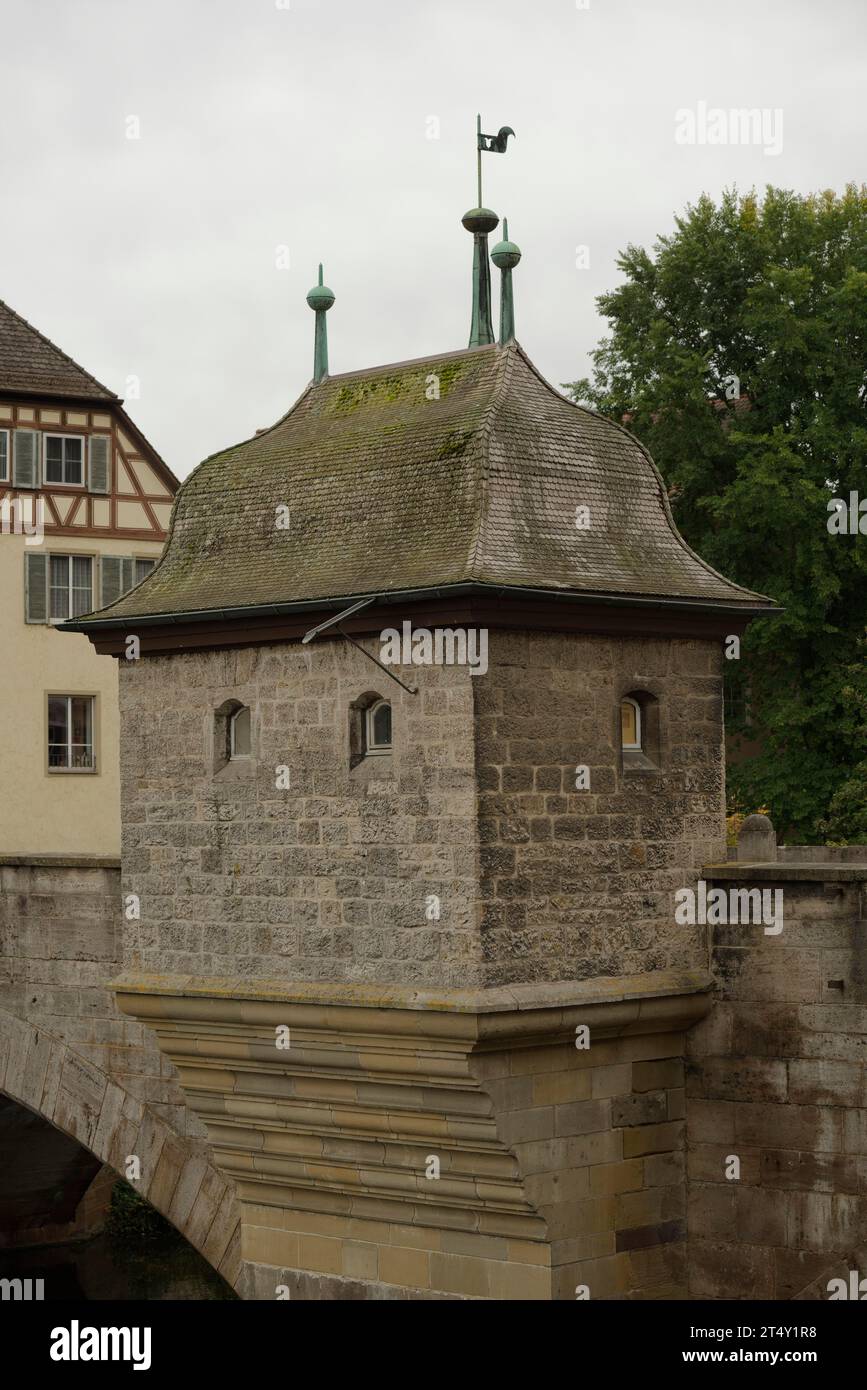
(30, 362)
(463, 469)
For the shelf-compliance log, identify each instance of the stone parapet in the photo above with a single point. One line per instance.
(777, 1087)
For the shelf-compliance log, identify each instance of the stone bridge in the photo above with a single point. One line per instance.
(310, 1167)
(82, 1089)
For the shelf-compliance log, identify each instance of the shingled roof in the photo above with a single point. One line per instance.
(32, 365)
(459, 470)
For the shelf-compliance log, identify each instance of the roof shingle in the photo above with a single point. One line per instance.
(461, 469)
(32, 364)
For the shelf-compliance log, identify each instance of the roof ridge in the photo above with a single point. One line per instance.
(65, 355)
(506, 366)
(407, 362)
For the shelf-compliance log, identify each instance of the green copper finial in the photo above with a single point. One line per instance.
(506, 256)
(320, 298)
(480, 221)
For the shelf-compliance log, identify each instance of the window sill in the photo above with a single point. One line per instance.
(378, 763)
(236, 770)
(635, 761)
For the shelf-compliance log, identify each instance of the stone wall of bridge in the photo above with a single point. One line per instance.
(777, 1080)
(61, 937)
(312, 1174)
(78, 1078)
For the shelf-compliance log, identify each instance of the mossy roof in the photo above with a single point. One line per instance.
(454, 470)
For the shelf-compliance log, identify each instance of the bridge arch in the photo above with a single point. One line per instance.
(41, 1071)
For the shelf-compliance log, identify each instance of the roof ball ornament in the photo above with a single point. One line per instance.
(320, 299)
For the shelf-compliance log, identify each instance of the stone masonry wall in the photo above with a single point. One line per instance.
(60, 941)
(328, 879)
(599, 1139)
(580, 883)
(777, 1077)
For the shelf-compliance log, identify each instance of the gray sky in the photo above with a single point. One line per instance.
(306, 127)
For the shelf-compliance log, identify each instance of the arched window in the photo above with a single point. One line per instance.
(630, 725)
(240, 745)
(378, 727)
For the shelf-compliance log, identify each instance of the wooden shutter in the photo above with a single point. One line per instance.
(25, 458)
(35, 588)
(99, 472)
(116, 576)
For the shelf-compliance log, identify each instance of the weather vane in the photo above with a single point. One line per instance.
(491, 144)
(480, 221)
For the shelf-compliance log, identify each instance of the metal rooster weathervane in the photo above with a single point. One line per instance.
(490, 144)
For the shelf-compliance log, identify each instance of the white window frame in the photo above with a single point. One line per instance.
(53, 434)
(369, 746)
(69, 556)
(631, 747)
(65, 771)
(233, 756)
(6, 476)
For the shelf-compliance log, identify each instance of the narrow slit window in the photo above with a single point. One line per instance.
(379, 727)
(630, 725)
(240, 745)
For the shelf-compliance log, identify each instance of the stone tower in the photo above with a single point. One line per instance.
(406, 887)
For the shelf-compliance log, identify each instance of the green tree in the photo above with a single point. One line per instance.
(738, 354)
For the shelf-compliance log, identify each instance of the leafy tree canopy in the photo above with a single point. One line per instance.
(738, 354)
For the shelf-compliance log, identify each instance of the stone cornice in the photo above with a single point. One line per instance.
(611, 1005)
(743, 871)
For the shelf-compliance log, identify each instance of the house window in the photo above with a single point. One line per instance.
(378, 728)
(142, 570)
(240, 745)
(70, 580)
(70, 733)
(630, 725)
(64, 459)
(4, 456)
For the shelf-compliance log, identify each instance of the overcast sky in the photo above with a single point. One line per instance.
(264, 126)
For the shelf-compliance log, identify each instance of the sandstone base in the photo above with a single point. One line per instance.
(391, 1143)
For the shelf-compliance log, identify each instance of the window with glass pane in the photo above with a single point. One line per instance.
(4, 455)
(70, 733)
(71, 586)
(239, 745)
(59, 579)
(64, 459)
(82, 591)
(630, 724)
(379, 727)
(142, 569)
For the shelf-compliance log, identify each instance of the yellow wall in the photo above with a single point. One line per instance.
(58, 812)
